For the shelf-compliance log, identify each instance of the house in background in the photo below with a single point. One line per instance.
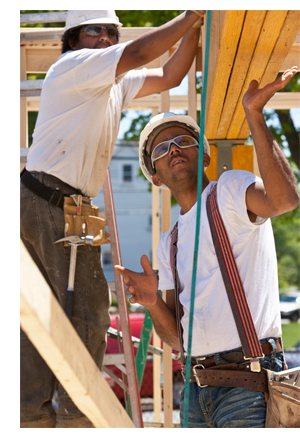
(133, 206)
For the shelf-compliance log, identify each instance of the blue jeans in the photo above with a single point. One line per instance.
(214, 406)
(41, 225)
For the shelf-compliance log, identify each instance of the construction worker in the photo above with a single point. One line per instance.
(83, 95)
(169, 159)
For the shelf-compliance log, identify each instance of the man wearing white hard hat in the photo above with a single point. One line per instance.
(169, 159)
(83, 96)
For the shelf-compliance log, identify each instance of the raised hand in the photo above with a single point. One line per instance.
(256, 98)
(142, 286)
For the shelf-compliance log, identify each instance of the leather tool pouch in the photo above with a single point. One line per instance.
(82, 219)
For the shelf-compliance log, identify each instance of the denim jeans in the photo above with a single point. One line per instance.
(41, 225)
(216, 407)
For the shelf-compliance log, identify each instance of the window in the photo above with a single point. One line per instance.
(127, 172)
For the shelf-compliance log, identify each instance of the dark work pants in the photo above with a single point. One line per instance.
(41, 225)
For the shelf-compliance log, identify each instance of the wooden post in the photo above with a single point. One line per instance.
(192, 92)
(50, 331)
(157, 405)
(166, 223)
(23, 105)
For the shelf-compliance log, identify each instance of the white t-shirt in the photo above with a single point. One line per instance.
(214, 329)
(79, 116)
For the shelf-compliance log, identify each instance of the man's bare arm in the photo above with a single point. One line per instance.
(155, 42)
(143, 288)
(278, 194)
(176, 67)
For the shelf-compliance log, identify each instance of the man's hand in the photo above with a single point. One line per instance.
(278, 192)
(142, 286)
(255, 99)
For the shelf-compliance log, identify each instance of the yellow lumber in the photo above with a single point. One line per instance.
(225, 33)
(50, 331)
(286, 37)
(250, 33)
(264, 48)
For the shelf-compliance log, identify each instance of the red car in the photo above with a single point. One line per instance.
(136, 324)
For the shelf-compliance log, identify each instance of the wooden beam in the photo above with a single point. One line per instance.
(252, 26)
(285, 38)
(293, 57)
(263, 51)
(50, 331)
(165, 225)
(192, 92)
(23, 103)
(45, 17)
(226, 27)
(282, 100)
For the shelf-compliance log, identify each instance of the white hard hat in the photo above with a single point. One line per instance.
(154, 127)
(80, 18)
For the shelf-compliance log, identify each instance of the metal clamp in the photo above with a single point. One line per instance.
(196, 376)
(254, 363)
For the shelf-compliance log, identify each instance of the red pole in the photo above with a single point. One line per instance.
(122, 304)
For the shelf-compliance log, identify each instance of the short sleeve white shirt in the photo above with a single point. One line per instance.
(79, 116)
(253, 247)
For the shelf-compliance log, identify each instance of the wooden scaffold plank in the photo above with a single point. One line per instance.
(50, 331)
(263, 50)
(226, 29)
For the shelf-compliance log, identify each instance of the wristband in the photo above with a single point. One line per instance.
(200, 20)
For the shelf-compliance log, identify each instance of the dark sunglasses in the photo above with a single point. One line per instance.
(97, 30)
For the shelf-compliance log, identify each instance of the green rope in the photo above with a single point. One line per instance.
(200, 171)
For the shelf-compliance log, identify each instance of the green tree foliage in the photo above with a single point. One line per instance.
(145, 18)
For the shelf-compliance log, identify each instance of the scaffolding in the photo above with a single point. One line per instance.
(244, 45)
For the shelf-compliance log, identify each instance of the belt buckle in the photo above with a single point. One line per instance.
(195, 375)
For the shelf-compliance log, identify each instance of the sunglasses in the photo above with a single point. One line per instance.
(162, 149)
(97, 30)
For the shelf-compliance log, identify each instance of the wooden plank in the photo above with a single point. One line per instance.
(31, 84)
(192, 92)
(284, 43)
(48, 328)
(212, 170)
(165, 225)
(286, 38)
(44, 17)
(41, 36)
(226, 27)
(282, 100)
(23, 103)
(40, 60)
(292, 58)
(250, 34)
(167, 350)
(242, 157)
(263, 51)
(157, 401)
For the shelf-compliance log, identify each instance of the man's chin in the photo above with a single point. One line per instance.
(102, 46)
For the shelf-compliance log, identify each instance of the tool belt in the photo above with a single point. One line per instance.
(82, 219)
(237, 373)
(230, 375)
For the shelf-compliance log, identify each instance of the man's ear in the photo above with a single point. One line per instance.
(206, 160)
(156, 181)
(71, 44)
